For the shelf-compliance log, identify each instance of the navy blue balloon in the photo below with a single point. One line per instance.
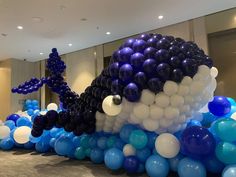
(132, 92)
(139, 45)
(13, 117)
(131, 164)
(116, 87)
(150, 52)
(174, 50)
(149, 66)
(163, 71)
(145, 36)
(220, 106)
(115, 56)
(125, 55)
(175, 62)
(197, 142)
(163, 44)
(155, 85)
(114, 70)
(137, 60)
(152, 42)
(162, 55)
(177, 75)
(129, 43)
(140, 79)
(126, 73)
(189, 67)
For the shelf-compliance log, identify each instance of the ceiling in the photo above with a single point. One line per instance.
(84, 23)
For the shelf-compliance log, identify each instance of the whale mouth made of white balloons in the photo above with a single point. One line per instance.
(166, 111)
(154, 81)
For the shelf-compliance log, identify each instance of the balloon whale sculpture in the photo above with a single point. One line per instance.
(141, 113)
(154, 81)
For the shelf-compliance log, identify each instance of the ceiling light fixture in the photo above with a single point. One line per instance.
(41, 53)
(20, 27)
(160, 17)
(70, 45)
(108, 33)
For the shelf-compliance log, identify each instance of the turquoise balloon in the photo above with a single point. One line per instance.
(226, 152)
(229, 171)
(225, 129)
(80, 153)
(138, 139)
(84, 141)
(111, 141)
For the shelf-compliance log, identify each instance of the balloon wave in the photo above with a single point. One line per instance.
(151, 110)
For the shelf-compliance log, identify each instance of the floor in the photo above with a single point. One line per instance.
(24, 163)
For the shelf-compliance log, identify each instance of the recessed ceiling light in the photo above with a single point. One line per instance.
(20, 27)
(160, 17)
(41, 53)
(108, 33)
(70, 45)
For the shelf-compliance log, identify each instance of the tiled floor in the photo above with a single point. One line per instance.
(23, 163)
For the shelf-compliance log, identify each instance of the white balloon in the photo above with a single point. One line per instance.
(233, 116)
(109, 107)
(204, 109)
(134, 119)
(167, 145)
(183, 90)
(127, 106)
(198, 77)
(4, 131)
(184, 109)
(197, 116)
(21, 134)
(107, 129)
(147, 97)
(156, 112)
(171, 112)
(100, 116)
(170, 88)
(165, 123)
(52, 106)
(188, 100)
(204, 70)
(43, 113)
(150, 124)
(129, 150)
(214, 72)
(141, 111)
(181, 119)
(187, 80)
(174, 128)
(161, 130)
(196, 87)
(162, 100)
(176, 100)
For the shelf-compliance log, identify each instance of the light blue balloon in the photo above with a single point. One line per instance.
(28, 102)
(54, 131)
(151, 139)
(34, 139)
(226, 152)
(7, 143)
(29, 145)
(194, 123)
(157, 166)
(12, 133)
(30, 112)
(138, 139)
(35, 102)
(10, 124)
(23, 121)
(231, 100)
(174, 162)
(229, 171)
(76, 141)
(213, 165)
(102, 143)
(191, 168)
(97, 155)
(92, 142)
(119, 144)
(63, 146)
(114, 158)
(208, 119)
(143, 154)
(42, 147)
(52, 142)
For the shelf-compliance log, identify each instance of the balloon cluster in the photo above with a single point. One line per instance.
(203, 146)
(30, 106)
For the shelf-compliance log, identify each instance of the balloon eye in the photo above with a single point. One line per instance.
(117, 99)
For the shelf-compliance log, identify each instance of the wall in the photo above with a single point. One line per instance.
(221, 21)
(5, 92)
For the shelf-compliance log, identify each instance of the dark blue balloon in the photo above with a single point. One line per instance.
(132, 92)
(163, 44)
(140, 79)
(131, 164)
(150, 52)
(126, 73)
(125, 55)
(129, 43)
(152, 42)
(137, 60)
(116, 87)
(162, 55)
(139, 45)
(155, 85)
(114, 70)
(143, 154)
(189, 67)
(197, 142)
(175, 61)
(115, 56)
(149, 66)
(220, 106)
(97, 155)
(174, 50)
(13, 117)
(177, 75)
(163, 71)
(145, 36)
